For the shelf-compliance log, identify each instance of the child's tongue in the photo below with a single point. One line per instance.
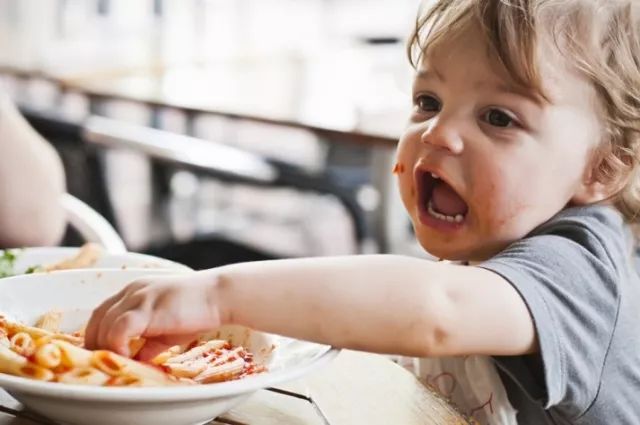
(446, 201)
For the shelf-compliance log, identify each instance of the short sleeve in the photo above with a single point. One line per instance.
(567, 274)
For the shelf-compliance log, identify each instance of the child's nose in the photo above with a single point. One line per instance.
(443, 133)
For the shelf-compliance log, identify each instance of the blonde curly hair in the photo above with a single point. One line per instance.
(600, 38)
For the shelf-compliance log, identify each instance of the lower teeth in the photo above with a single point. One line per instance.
(448, 218)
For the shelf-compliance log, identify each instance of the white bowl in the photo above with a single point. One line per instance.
(30, 257)
(76, 293)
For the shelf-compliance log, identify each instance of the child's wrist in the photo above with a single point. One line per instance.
(219, 289)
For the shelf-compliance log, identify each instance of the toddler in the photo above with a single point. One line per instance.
(520, 161)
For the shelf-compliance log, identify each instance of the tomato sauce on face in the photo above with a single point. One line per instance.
(398, 168)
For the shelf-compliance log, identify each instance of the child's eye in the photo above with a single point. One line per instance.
(427, 103)
(498, 118)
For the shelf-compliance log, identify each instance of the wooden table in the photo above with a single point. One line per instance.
(356, 388)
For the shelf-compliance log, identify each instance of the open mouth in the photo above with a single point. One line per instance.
(439, 201)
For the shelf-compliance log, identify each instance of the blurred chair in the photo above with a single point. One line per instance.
(82, 141)
(91, 226)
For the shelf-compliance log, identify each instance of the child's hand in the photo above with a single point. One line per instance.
(166, 311)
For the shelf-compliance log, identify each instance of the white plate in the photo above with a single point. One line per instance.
(76, 293)
(30, 257)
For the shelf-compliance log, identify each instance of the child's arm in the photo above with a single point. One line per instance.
(380, 303)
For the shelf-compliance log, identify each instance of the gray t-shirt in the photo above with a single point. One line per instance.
(577, 275)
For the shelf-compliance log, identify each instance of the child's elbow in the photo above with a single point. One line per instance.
(433, 342)
(435, 333)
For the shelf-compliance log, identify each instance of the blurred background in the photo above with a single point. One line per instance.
(215, 131)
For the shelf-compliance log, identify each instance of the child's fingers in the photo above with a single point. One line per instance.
(117, 313)
(97, 317)
(131, 323)
(91, 331)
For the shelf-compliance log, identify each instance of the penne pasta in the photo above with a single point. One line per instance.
(33, 371)
(35, 333)
(23, 344)
(80, 332)
(210, 359)
(222, 366)
(166, 355)
(198, 351)
(71, 355)
(4, 338)
(126, 381)
(10, 361)
(71, 339)
(136, 381)
(4, 324)
(187, 369)
(84, 376)
(116, 365)
(50, 321)
(221, 372)
(107, 362)
(15, 364)
(14, 328)
(44, 340)
(135, 345)
(87, 256)
(48, 355)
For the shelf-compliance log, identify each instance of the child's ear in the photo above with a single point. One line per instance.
(591, 192)
(597, 185)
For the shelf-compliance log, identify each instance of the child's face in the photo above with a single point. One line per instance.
(505, 163)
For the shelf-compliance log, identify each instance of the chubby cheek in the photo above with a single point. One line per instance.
(503, 207)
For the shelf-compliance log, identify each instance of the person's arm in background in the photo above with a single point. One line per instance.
(31, 183)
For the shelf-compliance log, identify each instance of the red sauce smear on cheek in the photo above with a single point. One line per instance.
(398, 168)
